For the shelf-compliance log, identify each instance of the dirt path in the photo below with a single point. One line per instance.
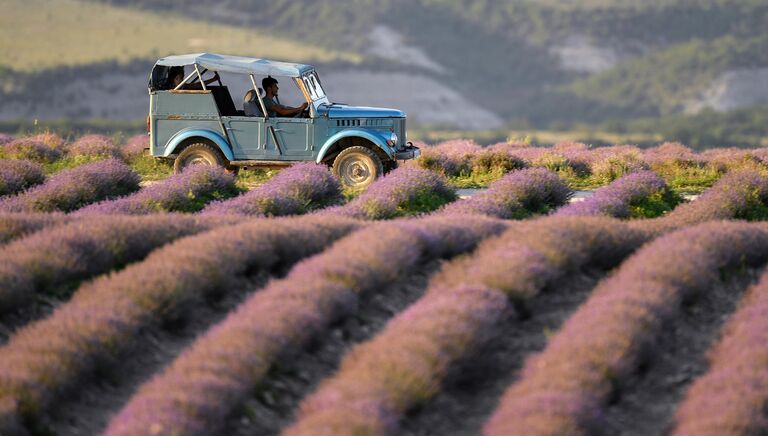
(647, 403)
(104, 394)
(273, 405)
(469, 397)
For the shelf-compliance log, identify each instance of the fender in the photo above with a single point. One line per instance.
(365, 134)
(212, 136)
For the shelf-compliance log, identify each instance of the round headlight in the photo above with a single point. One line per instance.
(392, 140)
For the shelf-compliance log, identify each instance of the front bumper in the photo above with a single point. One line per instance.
(409, 152)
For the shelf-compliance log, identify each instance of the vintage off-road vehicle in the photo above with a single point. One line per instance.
(204, 126)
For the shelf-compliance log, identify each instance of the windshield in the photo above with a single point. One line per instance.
(312, 83)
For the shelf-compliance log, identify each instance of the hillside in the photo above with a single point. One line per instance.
(542, 63)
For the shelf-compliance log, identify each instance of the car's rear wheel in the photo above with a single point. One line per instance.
(357, 167)
(199, 153)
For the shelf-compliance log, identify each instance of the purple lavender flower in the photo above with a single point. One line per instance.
(617, 199)
(517, 195)
(451, 158)
(407, 361)
(45, 358)
(135, 146)
(93, 146)
(188, 191)
(27, 148)
(50, 139)
(730, 397)
(18, 175)
(46, 260)
(295, 190)
(16, 225)
(73, 188)
(585, 360)
(286, 315)
(4, 139)
(404, 191)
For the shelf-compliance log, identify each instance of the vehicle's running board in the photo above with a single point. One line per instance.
(262, 163)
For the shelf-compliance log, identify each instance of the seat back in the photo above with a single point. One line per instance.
(223, 101)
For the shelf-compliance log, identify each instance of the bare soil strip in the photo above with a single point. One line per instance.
(273, 405)
(646, 403)
(89, 411)
(472, 391)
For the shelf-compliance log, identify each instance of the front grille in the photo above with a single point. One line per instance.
(347, 123)
(400, 130)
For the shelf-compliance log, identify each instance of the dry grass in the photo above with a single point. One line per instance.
(39, 34)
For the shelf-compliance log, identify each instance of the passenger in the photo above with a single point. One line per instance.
(176, 76)
(251, 104)
(272, 103)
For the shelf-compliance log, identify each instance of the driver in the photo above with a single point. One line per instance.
(272, 103)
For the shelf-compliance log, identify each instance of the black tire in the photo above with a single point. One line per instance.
(357, 167)
(199, 153)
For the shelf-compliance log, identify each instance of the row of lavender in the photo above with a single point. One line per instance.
(603, 164)
(733, 206)
(448, 322)
(405, 365)
(566, 388)
(286, 315)
(49, 147)
(102, 320)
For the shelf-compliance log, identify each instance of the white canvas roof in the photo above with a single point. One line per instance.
(236, 64)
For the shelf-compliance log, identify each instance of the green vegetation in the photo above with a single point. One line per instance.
(40, 34)
(656, 204)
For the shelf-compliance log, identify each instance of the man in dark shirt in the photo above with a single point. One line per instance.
(272, 103)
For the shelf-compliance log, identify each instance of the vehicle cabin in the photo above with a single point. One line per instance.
(195, 120)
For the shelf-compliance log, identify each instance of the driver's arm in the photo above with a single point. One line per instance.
(287, 111)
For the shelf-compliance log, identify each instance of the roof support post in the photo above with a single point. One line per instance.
(184, 81)
(200, 76)
(258, 95)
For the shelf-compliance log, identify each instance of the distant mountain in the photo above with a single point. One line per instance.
(484, 63)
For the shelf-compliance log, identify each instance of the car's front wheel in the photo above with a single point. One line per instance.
(357, 167)
(199, 153)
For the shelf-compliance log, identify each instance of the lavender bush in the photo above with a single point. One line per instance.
(188, 191)
(42, 360)
(517, 195)
(405, 363)
(562, 389)
(30, 149)
(730, 398)
(404, 191)
(53, 140)
(49, 259)
(71, 189)
(295, 190)
(135, 147)
(641, 194)
(450, 158)
(93, 146)
(285, 315)
(16, 225)
(18, 175)
(737, 195)
(4, 139)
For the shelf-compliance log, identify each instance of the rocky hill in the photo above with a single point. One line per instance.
(448, 63)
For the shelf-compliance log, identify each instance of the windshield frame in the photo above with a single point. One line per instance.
(314, 89)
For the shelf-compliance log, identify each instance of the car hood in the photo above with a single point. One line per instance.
(337, 110)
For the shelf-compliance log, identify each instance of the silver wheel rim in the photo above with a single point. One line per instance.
(355, 171)
(198, 159)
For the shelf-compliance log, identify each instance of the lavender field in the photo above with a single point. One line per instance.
(137, 302)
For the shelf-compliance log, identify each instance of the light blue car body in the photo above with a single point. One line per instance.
(181, 117)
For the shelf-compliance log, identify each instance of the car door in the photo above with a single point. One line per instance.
(293, 138)
(246, 135)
